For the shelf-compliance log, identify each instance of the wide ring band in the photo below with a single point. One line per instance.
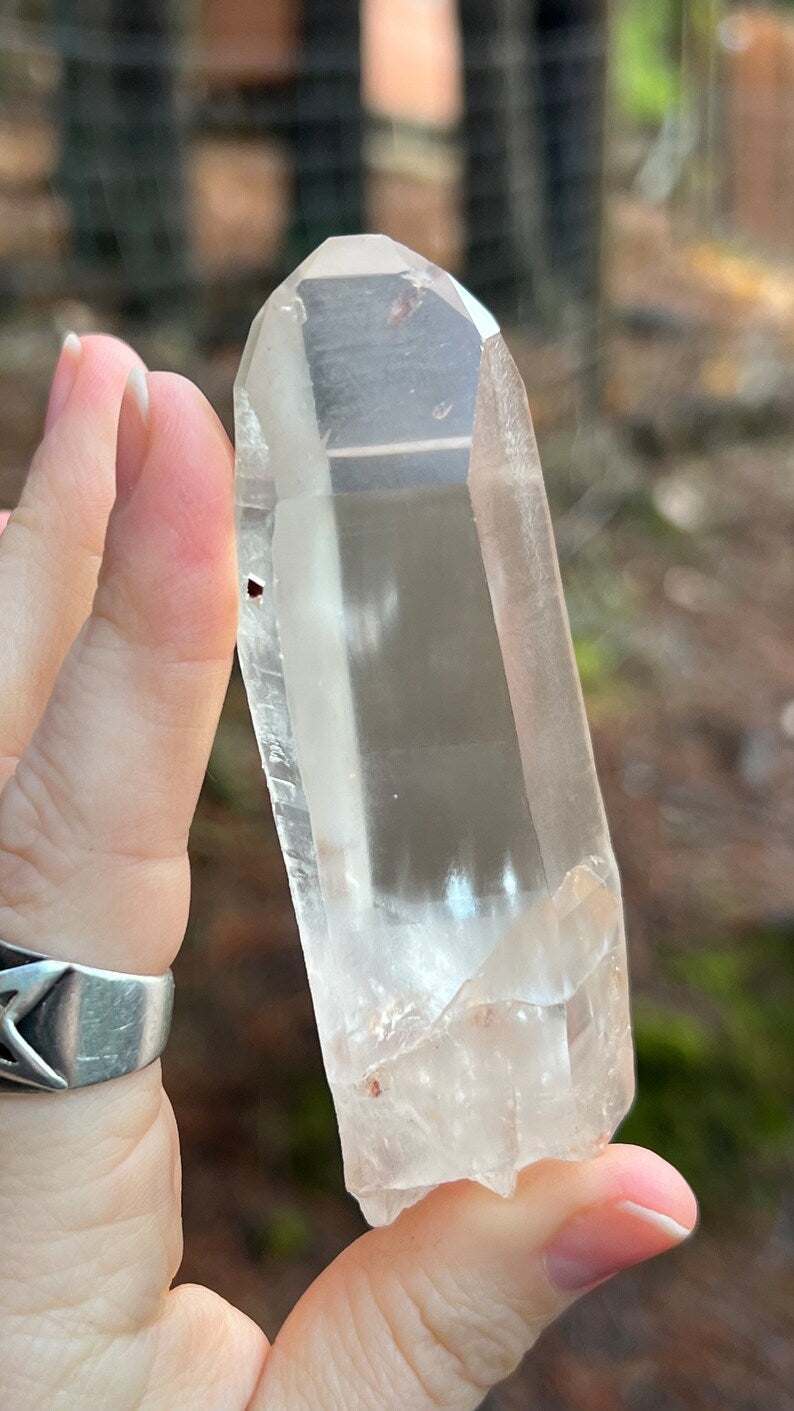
(68, 1026)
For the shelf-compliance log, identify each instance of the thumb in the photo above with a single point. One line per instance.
(428, 1314)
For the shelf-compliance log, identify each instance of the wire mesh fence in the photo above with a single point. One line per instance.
(154, 149)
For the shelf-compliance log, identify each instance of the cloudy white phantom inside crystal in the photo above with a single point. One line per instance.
(408, 663)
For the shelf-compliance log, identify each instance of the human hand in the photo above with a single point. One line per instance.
(106, 721)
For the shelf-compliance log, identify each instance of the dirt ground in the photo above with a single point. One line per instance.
(675, 518)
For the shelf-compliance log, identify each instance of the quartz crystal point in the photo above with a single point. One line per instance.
(407, 657)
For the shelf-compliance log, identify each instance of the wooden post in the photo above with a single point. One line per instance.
(759, 84)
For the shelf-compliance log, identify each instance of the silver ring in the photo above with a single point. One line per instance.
(68, 1026)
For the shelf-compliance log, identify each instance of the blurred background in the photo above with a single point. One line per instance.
(617, 181)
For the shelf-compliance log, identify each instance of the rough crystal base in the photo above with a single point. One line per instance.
(407, 658)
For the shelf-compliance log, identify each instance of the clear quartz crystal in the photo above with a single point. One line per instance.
(409, 668)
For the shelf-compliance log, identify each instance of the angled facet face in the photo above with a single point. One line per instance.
(413, 689)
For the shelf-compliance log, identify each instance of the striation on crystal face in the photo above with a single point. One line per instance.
(407, 658)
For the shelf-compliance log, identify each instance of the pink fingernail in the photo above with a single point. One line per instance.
(133, 433)
(601, 1241)
(64, 379)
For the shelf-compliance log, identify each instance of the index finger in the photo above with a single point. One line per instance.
(52, 545)
(93, 831)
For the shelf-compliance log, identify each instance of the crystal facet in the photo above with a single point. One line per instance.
(408, 663)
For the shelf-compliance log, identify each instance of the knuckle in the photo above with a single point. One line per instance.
(475, 1339)
(121, 616)
(53, 853)
(184, 621)
(72, 1258)
(33, 828)
(23, 525)
(77, 466)
(450, 1345)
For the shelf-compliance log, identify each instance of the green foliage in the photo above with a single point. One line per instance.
(647, 74)
(595, 662)
(313, 1146)
(233, 779)
(284, 1236)
(607, 670)
(640, 512)
(716, 1082)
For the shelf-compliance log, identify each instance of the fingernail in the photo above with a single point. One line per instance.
(600, 1242)
(63, 379)
(133, 433)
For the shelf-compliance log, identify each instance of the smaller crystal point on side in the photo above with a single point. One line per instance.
(408, 663)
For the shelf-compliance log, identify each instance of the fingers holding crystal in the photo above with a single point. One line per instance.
(93, 825)
(51, 549)
(432, 1311)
